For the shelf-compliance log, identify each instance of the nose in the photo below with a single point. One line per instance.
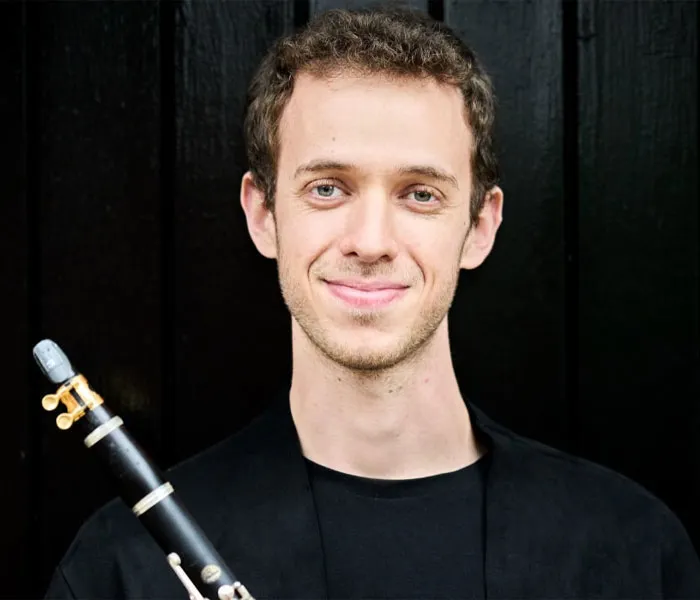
(370, 229)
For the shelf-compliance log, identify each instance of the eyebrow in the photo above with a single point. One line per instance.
(316, 166)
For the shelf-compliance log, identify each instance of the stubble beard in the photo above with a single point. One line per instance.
(368, 360)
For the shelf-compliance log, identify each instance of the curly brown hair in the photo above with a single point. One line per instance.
(393, 42)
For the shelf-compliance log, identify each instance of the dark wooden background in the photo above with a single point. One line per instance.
(123, 240)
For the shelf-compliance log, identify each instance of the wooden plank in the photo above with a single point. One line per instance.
(508, 319)
(318, 6)
(231, 342)
(98, 97)
(639, 244)
(17, 461)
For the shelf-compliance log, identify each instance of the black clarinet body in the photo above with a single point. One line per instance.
(139, 482)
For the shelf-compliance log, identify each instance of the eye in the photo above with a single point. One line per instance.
(325, 190)
(423, 196)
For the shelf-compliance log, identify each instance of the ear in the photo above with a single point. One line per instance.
(483, 232)
(261, 221)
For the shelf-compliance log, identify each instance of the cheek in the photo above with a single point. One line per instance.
(437, 254)
(302, 241)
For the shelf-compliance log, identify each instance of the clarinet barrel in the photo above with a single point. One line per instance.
(139, 482)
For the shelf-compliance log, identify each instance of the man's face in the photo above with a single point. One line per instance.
(373, 188)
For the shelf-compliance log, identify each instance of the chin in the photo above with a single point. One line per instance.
(367, 352)
(368, 341)
(363, 360)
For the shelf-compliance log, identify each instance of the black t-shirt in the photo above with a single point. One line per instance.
(400, 539)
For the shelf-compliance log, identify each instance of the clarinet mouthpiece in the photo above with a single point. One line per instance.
(74, 391)
(53, 362)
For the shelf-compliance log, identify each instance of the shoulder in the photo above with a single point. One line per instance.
(113, 555)
(110, 540)
(198, 480)
(578, 485)
(538, 466)
(586, 502)
(237, 460)
(555, 517)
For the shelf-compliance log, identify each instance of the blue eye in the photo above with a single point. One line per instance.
(424, 199)
(326, 187)
(326, 191)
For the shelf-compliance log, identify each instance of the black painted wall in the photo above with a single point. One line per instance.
(123, 240)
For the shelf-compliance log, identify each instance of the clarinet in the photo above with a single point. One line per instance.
(141, 485)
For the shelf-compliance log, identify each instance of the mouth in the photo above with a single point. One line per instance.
(366, 295)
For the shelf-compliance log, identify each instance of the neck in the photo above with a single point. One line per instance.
(406, 422)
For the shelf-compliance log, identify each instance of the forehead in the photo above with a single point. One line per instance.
(373, 120)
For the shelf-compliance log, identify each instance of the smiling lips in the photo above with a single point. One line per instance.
(366, 294)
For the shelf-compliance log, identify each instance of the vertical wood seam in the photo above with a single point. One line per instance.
(167, 158)
(301, 10)
(697, 90)
(436, 9)
(570, 85)
(31, 108)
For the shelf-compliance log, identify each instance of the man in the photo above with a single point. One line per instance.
(372, 182)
